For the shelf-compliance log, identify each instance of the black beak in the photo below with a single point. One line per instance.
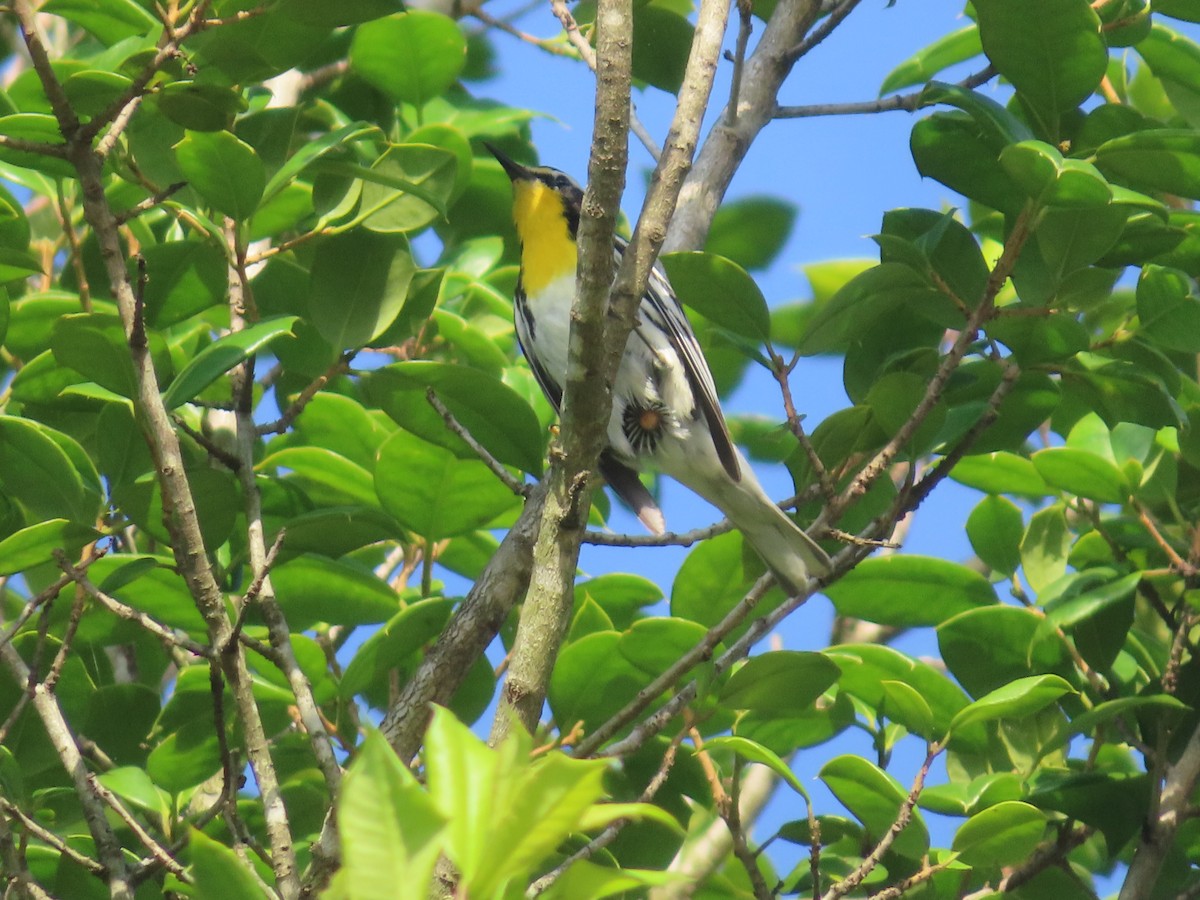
(514, 169)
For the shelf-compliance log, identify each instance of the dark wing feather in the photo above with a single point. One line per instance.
(551, 388)
(625, 482)
(662, 307)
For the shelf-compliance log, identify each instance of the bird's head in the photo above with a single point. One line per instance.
(546, 204)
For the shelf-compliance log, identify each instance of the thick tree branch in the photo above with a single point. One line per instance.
(587, 396)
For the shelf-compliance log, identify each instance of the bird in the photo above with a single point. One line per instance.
(665, 413)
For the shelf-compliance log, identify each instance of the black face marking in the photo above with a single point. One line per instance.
(571, 193)
(644, 424)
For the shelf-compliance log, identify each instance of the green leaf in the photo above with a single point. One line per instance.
(874, 797)
(1000, 473)
(315, 589)
(492, 412)
(94, 345)
(721, 291)
(1015, 700)
(327, 478)
(390, 828)
(1001, 835)
(198, 106)
(1048, 178)
(997, 125)
(784, 681)
(47, 472)
(662, 39)
(904, 704)
(989, 647)
(1045, 547)
(34, 545)
(753, 751)
(995, 528)
(1187, 10)
(750, 231)
(542, 801)
(222, 355)
(908, 591)
(393, 645)
(1168, 314)
(1093, 721)
(314, 150)
(592, 680)
(133, 784)
(1055, 66)
(656, 643)
(358, 285)
(412, 57)
(219, 872)
(183, 278)
(1081, 473)
(223, 170)
(956, 151)
(432, 493)
(110, 21)
(946, 51)
(1154, 160)
(414, 175)
(875, 295)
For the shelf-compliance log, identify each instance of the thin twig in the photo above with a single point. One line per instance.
(518, 487)
(284, 422)
(903, 817)
(157, 850)
(149, 203)
(49, 838)
(169, 636)
(909, 102)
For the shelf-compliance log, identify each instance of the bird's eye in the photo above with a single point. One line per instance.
(562, 182)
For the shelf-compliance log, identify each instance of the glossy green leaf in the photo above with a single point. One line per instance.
(1081, 473)
(946, 51)
(197, 106)
(222, 355)
(94, 345)
(662, 39)
(134, 785)
(215, 492)
(654, 644)
(412, 56)
(903, 704)
(219, 872)
(34, 545)
(752, 751)
(434, 494)
(785, 681)
(314, 589)
(1095, 720)
(47, 472)
(873, 296)
(750, 231)
(395, 643)
(358, 285)
(1154, 160)
(998, 126)
(186, 757)
(407, 177)
(1045, 176)
(1115, 803)
(1001, 835)
(995, 528)
(592, 680)
(907, 591)
(1045, 546)
(721, 291)
(389, 827)
(1015, 700)
(1055, 66)
(226, 172)
(987, 648)
(326, 477)
(493, 413)
(183, 278)
(1000, 473)
(1187, 10)
(1168, 313)
(110, 21)
(875, 797)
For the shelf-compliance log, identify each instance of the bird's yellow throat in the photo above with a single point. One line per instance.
(547, 248)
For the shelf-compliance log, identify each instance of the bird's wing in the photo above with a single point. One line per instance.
(550, 387)
(662, 307)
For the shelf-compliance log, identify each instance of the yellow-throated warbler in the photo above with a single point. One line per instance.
(665, 409)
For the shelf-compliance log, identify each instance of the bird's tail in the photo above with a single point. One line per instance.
(789, 553)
